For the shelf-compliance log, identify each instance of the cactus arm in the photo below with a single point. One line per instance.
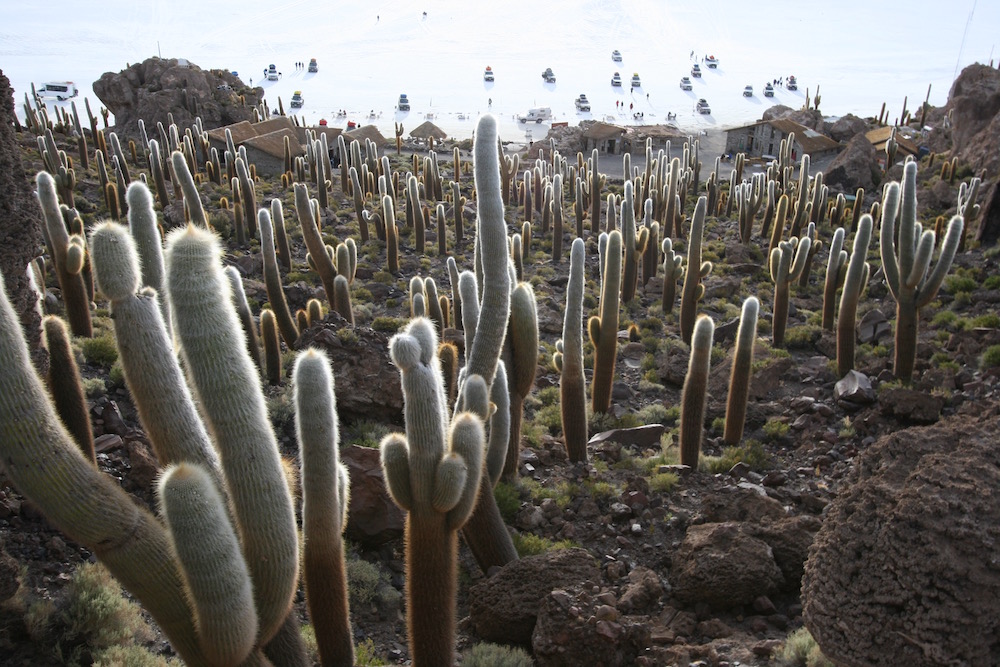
(467, 437)
(212, 566)
(492, 243)
(921, 260)
(272, 280)
(499, 436)
(835, 261)
(192, 199)
(604, 331)
(949, 247)
(908, 212)
(396, 468)
(739, 380)
(323, 506)
(855, 279)
(694, 394)
(228, 388)
(887, 239)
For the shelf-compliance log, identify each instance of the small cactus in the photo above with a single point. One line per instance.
(695, 392)
(855, 277)
(569, 361)
(603, 328)
(739, 379)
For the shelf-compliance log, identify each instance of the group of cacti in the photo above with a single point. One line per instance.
(462, 426)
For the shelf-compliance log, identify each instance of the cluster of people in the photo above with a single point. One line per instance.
(780, 81)
(300, 65)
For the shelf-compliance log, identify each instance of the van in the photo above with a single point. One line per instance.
(61, 90)
(313, 66)
(536, 115)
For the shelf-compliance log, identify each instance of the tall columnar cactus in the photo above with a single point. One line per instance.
(244, 313)
(318, 254)
(696, 270)
(815, 246)
(272, 281)
(391, 235)
(855, 278)
(64, 384)
(68, 256)
(272, 347)
(569, 361)
(603, 328)
(967, 206)
(739, 379)
(594, 184)
(634, 244)
(227, 384)
(556, 212)
(458, 203)
(907, 266)
(521, 361)
(325, 493)
(143, 226)
(192, 199)
(695, 392)
(786, 264)
(214, 572)
(433, 473)
(836, 270)
(673, 270)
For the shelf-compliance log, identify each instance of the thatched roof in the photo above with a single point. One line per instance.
(880, 136)
(272, 124)
(241, 131)
(273, 143)
(366, 132)
(428, 130)
(600, 131)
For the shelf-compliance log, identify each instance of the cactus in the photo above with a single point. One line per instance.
(64, 384)
(68, 256)
(192, 200)
(739, 379)
(214, 572)
(967, 206)
(855, 278)
(673, 270)
(786, 264)
(243, 312)
(634, 244)
(458, 202)
(272, 281)
(907, 267)
(569, 361)
(814, 247)
(280, 235)
(433, 473)
(210, 340)
(695, 392)
(593, 186)
(272, 347)
(696, 270)
(391, 235)
(836, 270)
(325, 493)
(521, 361)
(556, 213)
(603, 329)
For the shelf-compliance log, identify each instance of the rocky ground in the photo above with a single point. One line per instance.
(640, 561)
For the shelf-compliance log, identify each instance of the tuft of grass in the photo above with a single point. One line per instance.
(508, 501)
(132, 656)
(96, 613)
(775, 429)
(366, 654)
(750, 452)
(495, 655)
(528, 544)
(986, 321)
(991, 357)
(959, 283)
(100, 350)
(663, 482)
(388, 324)
(801, 650)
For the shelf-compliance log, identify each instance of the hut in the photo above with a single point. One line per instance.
(428, 132)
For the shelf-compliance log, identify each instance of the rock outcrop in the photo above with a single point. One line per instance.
(974, 111)
(904, 569)
(855, 167)
(846, 127)
(20, 225)
(157, 88)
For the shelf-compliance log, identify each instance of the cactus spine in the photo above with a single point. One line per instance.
(569, 361)
(855, 279)
(907, 269)
(325, 492)
(433, 473)
(739, 379)
(695, 392)
(693, 288)
(603, 329)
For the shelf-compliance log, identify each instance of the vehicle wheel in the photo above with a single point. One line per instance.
(538, 121)
(60, 98)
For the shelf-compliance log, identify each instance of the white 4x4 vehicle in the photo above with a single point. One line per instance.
(61, 90)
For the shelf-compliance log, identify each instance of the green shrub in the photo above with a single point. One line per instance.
(959, 283)
(132, 656)
(801, 650)
(986, 321)
(993, 282)
(655, 413)
(944, 318)
(494, 655)
(991, 357)
(508, 500)
(528, 544)
(366, 654)
(100, 350)
(363, 579)
(96, 613)
(804, 336)
(750, 452)
(663, 482)
(388, 324)
(775, 429)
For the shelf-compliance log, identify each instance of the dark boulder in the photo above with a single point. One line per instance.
(855, 167)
